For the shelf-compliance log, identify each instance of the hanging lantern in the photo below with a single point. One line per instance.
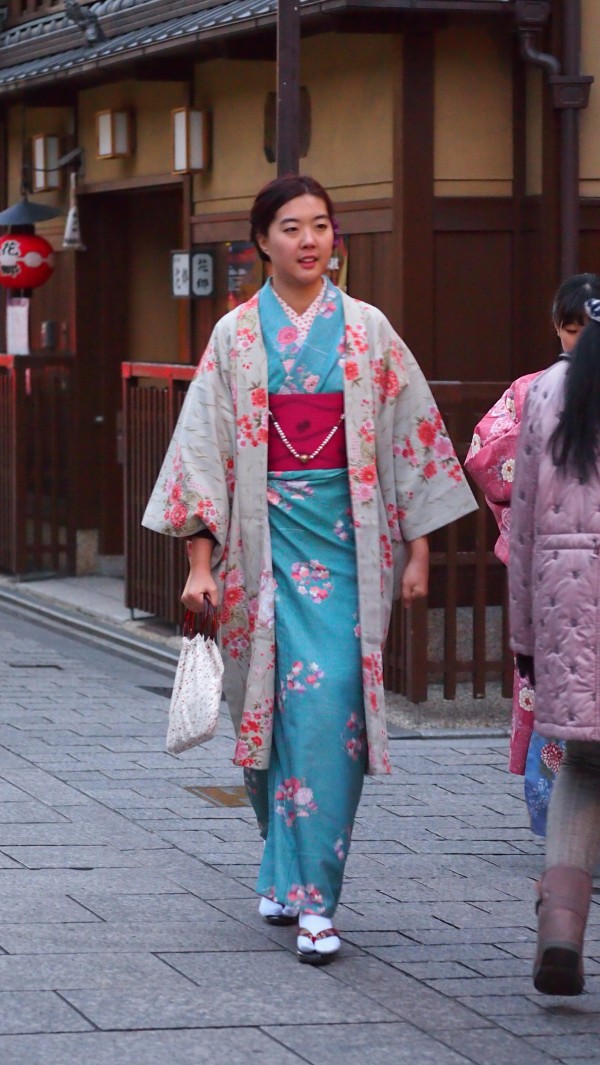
(26, 261)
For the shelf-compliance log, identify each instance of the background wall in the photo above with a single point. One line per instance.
(590, 118)
(473, 113)
(350, 81)
(152, 103)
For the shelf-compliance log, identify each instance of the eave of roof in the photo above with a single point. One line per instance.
(208, 21)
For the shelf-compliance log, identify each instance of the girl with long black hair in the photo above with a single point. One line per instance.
(491, 464)
(554, 576)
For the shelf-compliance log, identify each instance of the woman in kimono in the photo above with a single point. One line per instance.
(308, 465)
(491, 464)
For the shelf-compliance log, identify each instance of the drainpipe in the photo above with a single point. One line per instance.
(570, 94)
(549, 63)
(571, 97)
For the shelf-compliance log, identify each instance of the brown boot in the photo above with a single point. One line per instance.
(562, 908)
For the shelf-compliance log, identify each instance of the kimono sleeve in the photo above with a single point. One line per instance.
(194, 487)
(491, 457)
(520, 565)
(431, 488)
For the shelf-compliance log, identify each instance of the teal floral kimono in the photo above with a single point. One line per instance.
(306, 802)
(308, 563)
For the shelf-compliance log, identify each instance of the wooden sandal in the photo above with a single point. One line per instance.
(315, 956)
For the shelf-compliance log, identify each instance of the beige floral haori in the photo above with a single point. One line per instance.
(404, 478)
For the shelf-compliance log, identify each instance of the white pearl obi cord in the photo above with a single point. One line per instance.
(306, 431)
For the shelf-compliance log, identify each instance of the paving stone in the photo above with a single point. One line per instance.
(128, 881)
(387, 1044)
(31, 907)
(53, 834)
(28, 813)
(43, 787)
(153, 908)
(437, 913)
(208, 1047)
(501, 1048)
(8, 863)
(67, 971)
(407, 951)
(562, 1024)
(69, 857)
(38, 1011)
(98, 937)
(237, 996)
(408, 998)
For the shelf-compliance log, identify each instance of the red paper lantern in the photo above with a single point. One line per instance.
(26, 261)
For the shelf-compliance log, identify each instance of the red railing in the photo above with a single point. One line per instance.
(443, 640)
(36, 521)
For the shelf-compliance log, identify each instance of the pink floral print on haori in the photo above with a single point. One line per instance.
(253, 429)
(313, 579)
(217, 462)
(255, 730)
(294, 799)
(184, 502)
(429, 449)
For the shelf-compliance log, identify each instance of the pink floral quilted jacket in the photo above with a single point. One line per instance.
(554, 573)
(491, 457)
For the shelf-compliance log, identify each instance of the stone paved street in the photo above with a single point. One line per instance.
(128, 924)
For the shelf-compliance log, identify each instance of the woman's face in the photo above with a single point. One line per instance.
(569, 335)
(299, 242)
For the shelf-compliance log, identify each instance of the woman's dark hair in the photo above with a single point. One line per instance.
(277, 193)
(574, 442)
(569, 303)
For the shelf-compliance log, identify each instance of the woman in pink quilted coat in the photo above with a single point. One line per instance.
(491, 464)
(554, 581)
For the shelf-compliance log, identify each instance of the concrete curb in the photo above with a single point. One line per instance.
(91, 630)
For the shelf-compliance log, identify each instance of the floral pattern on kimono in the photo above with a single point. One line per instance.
(217, 460)
(314, 782)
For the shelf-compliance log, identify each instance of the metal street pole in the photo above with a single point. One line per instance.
(288, 87)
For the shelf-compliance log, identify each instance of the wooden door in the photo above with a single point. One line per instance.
(124, 312)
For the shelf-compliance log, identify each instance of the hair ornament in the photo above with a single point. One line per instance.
(337, 234)
(592, 309)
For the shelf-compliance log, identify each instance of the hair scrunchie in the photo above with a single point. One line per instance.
(592, 309)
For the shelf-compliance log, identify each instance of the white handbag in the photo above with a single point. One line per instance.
(194, 709)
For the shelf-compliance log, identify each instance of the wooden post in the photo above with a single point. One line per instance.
(288, 86)
(418, 199)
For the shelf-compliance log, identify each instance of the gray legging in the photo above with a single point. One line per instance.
(574, 814)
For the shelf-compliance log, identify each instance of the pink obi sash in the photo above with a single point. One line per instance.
(313, 426)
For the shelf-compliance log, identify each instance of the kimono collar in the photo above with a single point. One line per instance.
(304, 321)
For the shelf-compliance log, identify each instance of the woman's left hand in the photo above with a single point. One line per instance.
(415, 579)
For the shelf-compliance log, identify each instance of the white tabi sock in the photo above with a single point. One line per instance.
(268, 908)
(315, 924)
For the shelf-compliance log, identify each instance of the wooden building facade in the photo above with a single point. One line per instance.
(456, 137)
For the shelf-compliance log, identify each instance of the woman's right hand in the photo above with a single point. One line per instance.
(197, 586)
(200, 580)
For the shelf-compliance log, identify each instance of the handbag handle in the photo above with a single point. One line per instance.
(204, 624)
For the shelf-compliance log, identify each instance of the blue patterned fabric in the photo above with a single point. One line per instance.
(544, 757)
(306, 801)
